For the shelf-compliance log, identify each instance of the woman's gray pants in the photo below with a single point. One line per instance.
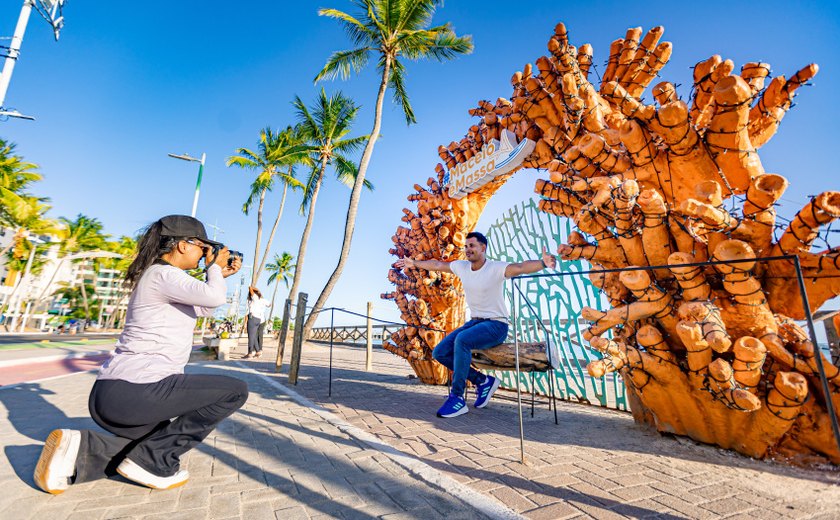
(254, 334)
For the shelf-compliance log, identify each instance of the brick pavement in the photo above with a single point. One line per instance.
(274, 459)
(597, 463)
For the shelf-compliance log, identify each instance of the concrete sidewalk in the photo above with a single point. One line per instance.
(375, 450)
(596, 463)
(274, 459)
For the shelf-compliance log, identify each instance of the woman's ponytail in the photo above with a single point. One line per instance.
(149, 248)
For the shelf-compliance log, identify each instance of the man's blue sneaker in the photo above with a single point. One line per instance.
(453, 407)
(485, 391)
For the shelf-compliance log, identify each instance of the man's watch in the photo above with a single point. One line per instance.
(543, 263)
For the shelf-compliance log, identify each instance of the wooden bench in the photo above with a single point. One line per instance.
(533, 357)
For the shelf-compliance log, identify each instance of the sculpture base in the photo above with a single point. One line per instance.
(430, 371)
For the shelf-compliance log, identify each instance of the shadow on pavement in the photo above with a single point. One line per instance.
(311, 471)
(32, 415)
(398, 396)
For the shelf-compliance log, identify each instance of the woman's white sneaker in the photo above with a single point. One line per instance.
(133, 472)
(57, 463)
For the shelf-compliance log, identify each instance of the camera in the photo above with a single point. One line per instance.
(234, 255)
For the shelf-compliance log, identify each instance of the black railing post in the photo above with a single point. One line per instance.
(332, 332)
(829, 404)
(518, 389)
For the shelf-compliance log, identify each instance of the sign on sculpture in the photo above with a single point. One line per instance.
(496, 158)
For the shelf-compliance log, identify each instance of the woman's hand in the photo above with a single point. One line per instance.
(222, 258)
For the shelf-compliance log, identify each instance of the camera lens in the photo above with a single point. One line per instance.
(234, 255)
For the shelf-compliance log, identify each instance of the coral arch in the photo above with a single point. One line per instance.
(708, 352)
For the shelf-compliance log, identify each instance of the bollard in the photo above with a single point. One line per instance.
(297, 342)
(284, 329)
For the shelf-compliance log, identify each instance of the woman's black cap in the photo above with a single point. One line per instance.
(183, 226)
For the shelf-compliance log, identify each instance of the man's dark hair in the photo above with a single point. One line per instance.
(478, 236)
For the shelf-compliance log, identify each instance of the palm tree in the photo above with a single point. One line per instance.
(281, 269)
(15, 176)
(390, 30)
(126, 247)
(26, 215)
(276, 150)
(324, 128)
(82, 234)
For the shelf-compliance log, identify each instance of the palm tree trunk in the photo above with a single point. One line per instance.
(353, 207)
(307, 229)
(273, 297)
(273, 230)
(112, 319)
(254, 273)
(85, 299)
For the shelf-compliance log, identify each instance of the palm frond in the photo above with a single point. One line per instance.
(397, 82)
(351, 145)
(359, 33)
(342, 63)
(309, 187)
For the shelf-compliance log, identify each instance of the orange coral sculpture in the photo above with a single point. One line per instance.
(708, 352)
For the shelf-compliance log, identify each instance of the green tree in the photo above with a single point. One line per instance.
(389, 30)
(83, 234)
(276, 150)
(325, 128)
(15, 177)
(26, 215)
(281, 268)
(126, 247)
(74, 296)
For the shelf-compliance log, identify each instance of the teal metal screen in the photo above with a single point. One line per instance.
(521, 235)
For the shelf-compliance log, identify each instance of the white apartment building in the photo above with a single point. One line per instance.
(56, 273)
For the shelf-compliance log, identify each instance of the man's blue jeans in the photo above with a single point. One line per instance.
(455, 350)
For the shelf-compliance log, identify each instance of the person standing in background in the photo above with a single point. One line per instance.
(255, 322)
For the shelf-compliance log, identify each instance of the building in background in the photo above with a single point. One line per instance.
(38, 290)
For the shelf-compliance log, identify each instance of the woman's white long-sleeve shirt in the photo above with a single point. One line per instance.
(158, 334)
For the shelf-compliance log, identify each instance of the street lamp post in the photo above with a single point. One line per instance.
(51, 11)
(185, 157)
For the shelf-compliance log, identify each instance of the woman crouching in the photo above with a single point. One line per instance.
(155, 412)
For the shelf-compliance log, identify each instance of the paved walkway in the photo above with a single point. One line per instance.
(596, 463)
(274, 459)
(375, 450)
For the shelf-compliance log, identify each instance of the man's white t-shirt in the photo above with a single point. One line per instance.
(484, 289)
(256, 308)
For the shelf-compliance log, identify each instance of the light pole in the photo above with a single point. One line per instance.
(185, 157)
(51, 11)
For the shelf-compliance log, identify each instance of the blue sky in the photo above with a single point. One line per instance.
(130, 82)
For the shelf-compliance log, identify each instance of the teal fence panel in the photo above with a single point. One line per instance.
(521, 235)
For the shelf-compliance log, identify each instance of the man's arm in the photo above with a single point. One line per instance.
(531, 266)
(429, 265)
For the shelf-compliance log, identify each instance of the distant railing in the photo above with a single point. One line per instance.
(353, 334)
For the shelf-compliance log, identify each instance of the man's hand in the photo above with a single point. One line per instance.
(405, 262)
(531, 266)
(548, 259)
